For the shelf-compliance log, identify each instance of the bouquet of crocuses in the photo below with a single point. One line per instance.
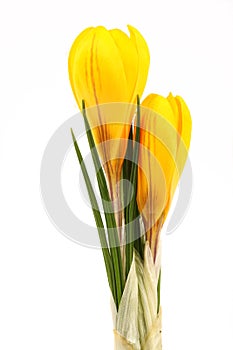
(139, 150)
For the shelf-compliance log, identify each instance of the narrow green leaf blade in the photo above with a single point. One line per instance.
(98, 220)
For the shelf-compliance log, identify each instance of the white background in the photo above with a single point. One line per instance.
(54, 293)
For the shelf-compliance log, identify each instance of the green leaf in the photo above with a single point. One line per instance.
(139, 242)
(131, 212)
(113, 238)
(159, 290)
(98, 220)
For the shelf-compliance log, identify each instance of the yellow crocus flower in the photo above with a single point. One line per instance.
(184, 129)
(109, 66)
(164, 141)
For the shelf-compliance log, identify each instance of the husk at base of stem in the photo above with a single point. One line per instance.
(138, 321)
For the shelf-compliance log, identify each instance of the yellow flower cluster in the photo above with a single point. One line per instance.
(108, 66)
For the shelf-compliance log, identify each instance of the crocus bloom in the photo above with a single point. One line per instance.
(108, 66)
(164, 141)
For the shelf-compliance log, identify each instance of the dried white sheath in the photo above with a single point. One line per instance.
(137, 323)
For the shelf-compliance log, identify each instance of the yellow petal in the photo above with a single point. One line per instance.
(111, 136)
(73, 63)
(185, 127)
(161, 106)
(183, 146)
(158, 138)
(143, 59)
(129, 58)
(97, 71)
(186, 121)
(173, 103)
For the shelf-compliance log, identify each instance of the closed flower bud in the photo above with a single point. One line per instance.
(108, 66)
(164, 141)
